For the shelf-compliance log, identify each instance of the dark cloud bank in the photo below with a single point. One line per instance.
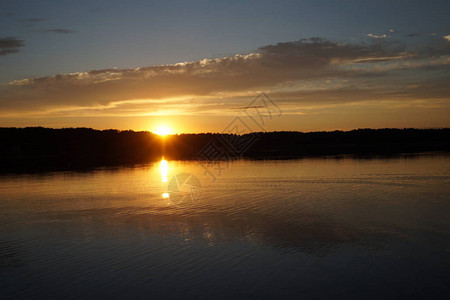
(379, 67)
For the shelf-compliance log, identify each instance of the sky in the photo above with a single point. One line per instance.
(196, 66)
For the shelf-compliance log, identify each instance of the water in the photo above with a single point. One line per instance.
(311, 228)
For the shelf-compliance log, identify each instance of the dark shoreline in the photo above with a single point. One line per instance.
(37, 149)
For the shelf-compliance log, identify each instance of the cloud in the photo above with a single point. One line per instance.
(383, 36)
(58, 30)
(33, 20)
(299, 70)
(9, 45)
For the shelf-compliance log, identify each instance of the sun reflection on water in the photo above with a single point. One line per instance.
(164, 166)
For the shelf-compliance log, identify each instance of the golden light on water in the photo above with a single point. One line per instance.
(164, 166)
(166, 195)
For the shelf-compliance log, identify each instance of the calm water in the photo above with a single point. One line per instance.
(309, 228)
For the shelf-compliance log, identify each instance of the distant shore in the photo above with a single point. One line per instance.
(37, 148)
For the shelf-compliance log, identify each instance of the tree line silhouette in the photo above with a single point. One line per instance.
(38, 148)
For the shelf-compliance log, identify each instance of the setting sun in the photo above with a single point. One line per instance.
(163, 130)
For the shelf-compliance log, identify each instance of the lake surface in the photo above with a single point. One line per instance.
(320, 228)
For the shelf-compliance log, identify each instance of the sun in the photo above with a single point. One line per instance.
(163, 130)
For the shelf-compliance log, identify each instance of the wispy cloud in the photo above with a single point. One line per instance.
(33, 20)
(58, 30)
(9, 45)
